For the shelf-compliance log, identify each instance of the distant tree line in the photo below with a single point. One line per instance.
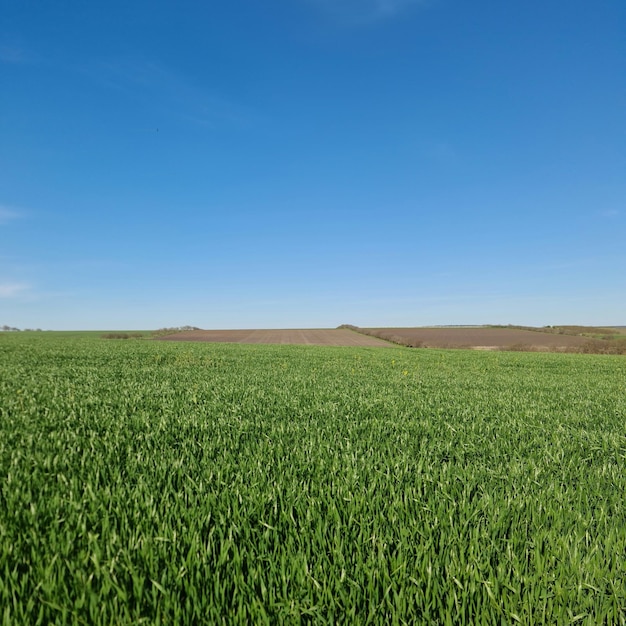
(13, 329)
(161, 332)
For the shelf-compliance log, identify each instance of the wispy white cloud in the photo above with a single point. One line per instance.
(610, 213)
(393, 7)
(364, 11)
(12, 55)
(441, 152)
(13, 290)
(170, 92)
(7, 214)
(14, 50)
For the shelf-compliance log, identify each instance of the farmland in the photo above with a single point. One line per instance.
(557, 339)
(483, 337)
(310, 336)
(178, 482)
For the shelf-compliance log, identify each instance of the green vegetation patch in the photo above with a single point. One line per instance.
(222, 483)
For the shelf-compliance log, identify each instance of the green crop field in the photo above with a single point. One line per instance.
(176, 483)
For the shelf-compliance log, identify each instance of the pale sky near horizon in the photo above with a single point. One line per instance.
(308, 163)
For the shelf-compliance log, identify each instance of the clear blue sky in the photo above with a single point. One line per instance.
(307, 163)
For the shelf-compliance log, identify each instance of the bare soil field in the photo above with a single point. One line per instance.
(318, 337)
(474, 337)
(484, 338)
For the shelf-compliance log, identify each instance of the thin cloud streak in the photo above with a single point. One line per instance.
(13, 290)
(172, 92)
(365, 11)
(393, 7)
(13, 55)
(7, 214)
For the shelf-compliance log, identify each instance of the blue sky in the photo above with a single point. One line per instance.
(307, 163)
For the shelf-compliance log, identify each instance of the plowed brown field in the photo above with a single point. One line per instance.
(481, 337)
(318, 337)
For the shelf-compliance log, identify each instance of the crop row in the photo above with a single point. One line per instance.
(203, 483)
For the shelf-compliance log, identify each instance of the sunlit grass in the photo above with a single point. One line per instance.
(225, 483)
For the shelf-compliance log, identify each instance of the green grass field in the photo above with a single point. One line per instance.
(175, 483)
